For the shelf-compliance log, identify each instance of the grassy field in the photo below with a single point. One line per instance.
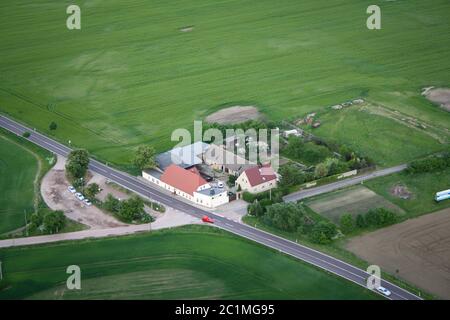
(183, 263)
(22, 164)
(18, 169)
(112, 85)
(382, 139)
(422, 186)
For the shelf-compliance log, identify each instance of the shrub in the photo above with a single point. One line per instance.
(430, 164)
(347, 223)
(284, 216)
(323, 232)
(53, 125)
(291, 175)
(111, 204)
(54, 221)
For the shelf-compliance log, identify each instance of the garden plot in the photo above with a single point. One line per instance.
(354, 200)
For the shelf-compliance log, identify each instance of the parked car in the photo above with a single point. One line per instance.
(207, 219)
(220, 184)
(384, 291)
(71, 189)
(87, 202)
(79, 196)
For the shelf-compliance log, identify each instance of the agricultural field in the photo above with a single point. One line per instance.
(112, 85)
(413, 193)
(416, 250)
(21, 166)
(188, 262)
(354, 200)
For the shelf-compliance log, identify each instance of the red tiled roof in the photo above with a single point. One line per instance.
(182, 179)
(257, 175)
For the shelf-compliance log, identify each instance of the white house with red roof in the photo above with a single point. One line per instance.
(189, 184)
(257, 179)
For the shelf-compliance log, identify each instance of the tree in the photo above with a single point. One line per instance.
(347, 223)
(111, 203)
(145, 157)
(323, 232)
(291, 176)
(53, 125)
(231, 180)
(132, 209)
(91, 191)
(54, 221)
(284, 216)
(77, 163)
(255, 209)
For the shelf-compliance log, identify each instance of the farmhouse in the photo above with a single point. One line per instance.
(257, 179)
(218, 158)
(189, 184)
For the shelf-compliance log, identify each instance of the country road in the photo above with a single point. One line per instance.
(293, 249)
(302, 194)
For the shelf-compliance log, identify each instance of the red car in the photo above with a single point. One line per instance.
(207, 219)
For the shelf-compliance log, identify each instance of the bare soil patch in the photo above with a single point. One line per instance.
(401, 191)
(236, 114)
(57, 197)
(417, 250)
(440, 96)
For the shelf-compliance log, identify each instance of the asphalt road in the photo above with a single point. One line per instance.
(301, 252)
(342, 184)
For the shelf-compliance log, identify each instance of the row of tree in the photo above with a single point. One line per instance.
(47, 221)
(374, 218)
(291, 217)
(430, 164)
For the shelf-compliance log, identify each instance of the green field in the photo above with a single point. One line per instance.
(18, 170)
(131, 77)
(182, 263)
(423, 188)
(382, 139)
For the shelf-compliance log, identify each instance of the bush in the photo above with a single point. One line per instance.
(361, 221)
(54, 221)
(380, 217)
(291, 175)
(53, 125)
(132, 210)
(255, 209)
(347, 223)
(111, 204)
(91, 191)
(430, 164)
(231, 180)
(323, 232)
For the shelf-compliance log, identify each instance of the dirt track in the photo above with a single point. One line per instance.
(417, 250)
